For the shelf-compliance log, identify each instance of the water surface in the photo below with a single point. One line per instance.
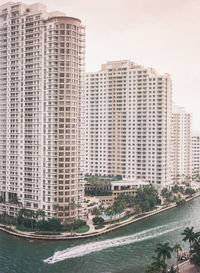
(128, 250)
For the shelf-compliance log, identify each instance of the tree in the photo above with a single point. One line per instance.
(164, 193)
(152, 268)
(54, 224)
(159, 263)
(164, 251)
(23, 214)
(180, 202)
(137, 209)
(189, 235)
(109, 212)
(70, 221)
(96, 212)
(42, 225)
(31, 214)
(117, 208)
(195, 253)
(172, 270)
(175, 189)
(156, 266)
(189, 191)
(98, 220)
(40, 213)
(177, 247)
(147, 198)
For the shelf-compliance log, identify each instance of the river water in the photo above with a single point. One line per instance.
(128, 250)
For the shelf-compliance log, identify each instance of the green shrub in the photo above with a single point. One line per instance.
(98, 220)
(99, 226)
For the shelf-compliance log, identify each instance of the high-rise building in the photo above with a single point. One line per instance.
(41, 62)
(181, 144)
(196, 152)
(128, 117)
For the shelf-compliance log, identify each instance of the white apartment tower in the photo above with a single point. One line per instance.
(181, 143)
(41, 62)
(128, 112)
(196, 152)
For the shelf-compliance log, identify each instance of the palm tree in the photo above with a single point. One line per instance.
(177, 247)
(6, 217)
(96, 212)
(195, 254)
(159, 263)
(153, 269)
(110, 212)
(21, 214)
(137, 209)
(172, 270)
(70, 221)
(40, 213)
(24, 213)
(189, 235)
(31, 214)
(164, 251)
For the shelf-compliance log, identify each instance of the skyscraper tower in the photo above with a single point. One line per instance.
(128, 116)
(41, 66)
(181, 144)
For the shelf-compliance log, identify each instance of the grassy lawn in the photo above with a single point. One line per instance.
(82, 229)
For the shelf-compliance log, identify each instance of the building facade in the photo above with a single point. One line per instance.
(181, 144)
(128, 117)
(41, 95)
(196, 153)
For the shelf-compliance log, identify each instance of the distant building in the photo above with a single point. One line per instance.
(196, 152)
(41, 62)
(181, 144)
(128, 121)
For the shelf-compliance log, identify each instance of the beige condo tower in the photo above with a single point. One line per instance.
(181, 144)
(41, 120)
(128, 116)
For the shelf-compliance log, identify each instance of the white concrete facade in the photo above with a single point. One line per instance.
(196, 152)
(128, 121)
(181, 143)
(41, 120)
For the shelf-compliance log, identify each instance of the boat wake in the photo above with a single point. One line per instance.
(82, 250)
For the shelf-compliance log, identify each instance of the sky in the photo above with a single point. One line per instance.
(163, 34)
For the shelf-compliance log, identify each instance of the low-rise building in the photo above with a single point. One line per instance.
(108, 193)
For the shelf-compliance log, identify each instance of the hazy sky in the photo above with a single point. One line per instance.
(164, 34)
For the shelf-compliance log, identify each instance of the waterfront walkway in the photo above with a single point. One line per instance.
(187, 267)
(92, 232)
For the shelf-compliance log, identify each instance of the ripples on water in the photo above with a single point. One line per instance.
(127, 250)
(85, 249)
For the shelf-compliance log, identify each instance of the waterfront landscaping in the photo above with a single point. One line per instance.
(132, 209)
(163, 253)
